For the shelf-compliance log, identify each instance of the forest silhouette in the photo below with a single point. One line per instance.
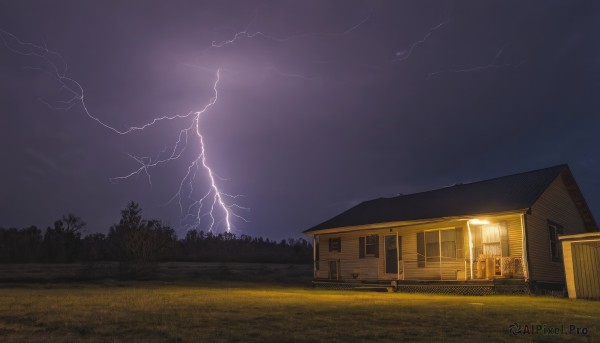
(136, 242)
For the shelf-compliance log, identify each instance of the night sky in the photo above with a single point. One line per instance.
(321, 104)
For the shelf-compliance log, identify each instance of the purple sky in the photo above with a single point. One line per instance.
(333, 103)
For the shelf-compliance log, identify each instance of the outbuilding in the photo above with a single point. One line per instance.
(581, 255)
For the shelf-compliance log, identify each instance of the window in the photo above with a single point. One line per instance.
(434, 246)
(368, 246)
(335, 244)
(371, 245)
(555, 246)
(490, 239)
(448, 243)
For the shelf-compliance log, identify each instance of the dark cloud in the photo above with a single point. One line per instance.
(321, 104)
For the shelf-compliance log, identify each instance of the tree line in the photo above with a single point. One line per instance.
(135, 241)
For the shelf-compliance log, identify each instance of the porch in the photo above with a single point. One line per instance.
(459, 250)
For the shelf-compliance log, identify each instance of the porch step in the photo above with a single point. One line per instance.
(375, 287)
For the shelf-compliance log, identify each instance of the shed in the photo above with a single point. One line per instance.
(581, 254)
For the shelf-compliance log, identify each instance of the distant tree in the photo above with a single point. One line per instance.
(20, 246)
(94, 248)
(139, 244)
(73, 223)
(62, 242)
(119, 235)
(31, 240)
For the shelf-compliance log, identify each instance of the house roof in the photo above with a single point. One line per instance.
(502, 194)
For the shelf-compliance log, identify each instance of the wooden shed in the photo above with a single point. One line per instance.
(581, 254)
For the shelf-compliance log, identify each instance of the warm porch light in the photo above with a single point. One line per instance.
(478, 222)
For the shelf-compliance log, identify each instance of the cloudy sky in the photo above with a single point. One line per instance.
(320, 104)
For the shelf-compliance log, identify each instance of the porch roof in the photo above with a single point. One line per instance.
(502, 194)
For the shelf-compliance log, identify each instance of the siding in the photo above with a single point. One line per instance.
(371, 268)
(586, 270)
(349, 261)
(556, 205)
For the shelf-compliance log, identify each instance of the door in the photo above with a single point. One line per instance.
(334, 269)
(393, 254)
(586, 270)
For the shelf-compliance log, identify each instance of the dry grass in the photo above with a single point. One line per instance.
(234, 312)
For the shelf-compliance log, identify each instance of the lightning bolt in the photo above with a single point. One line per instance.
(214, 200)
(245, 34)
(405, 54)
(492, 65)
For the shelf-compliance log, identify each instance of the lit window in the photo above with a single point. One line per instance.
(490, 239)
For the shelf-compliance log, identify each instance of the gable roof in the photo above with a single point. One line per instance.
(502, 194)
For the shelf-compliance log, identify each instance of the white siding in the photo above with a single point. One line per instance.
(371, 268)
(555, 205)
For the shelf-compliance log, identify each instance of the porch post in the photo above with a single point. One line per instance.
(397, 257)
(470, 248)
(524, 263)
(465, 269)
(314, 257)
(440, 252)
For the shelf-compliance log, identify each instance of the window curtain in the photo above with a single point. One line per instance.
(490, 237)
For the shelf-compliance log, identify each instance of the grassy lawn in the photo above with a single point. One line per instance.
(113, 311)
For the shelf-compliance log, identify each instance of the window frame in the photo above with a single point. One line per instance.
(503, 239)
(423, 259)
(374, 244)
(554, 230)
(335, 244)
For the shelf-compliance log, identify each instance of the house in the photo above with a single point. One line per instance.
(504, 228)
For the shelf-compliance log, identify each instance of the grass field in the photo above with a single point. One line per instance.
(113, 311)
(166, 271)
